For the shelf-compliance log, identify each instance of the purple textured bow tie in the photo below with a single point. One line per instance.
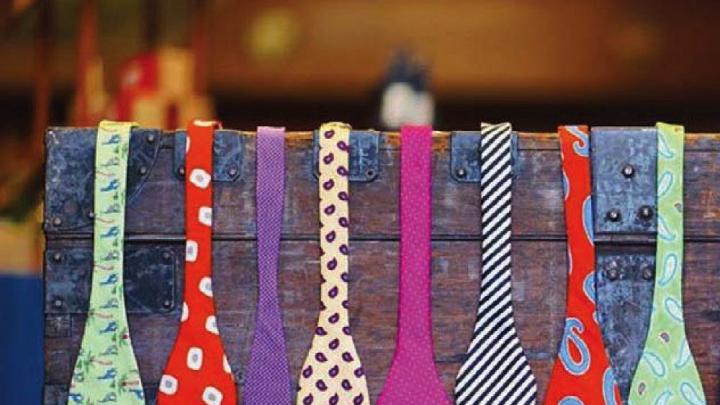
(267, 378)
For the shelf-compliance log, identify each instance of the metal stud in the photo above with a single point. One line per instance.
(647, 273)
(461, 172)
(628, 171)
(232, 171)
(57, 257)
(57, 303)
(181, 171)
(150, 138)
(167, 303)
(613, 215)
(166, 256)
(143, 170)
(90, 215)
(612, 273)
(370, 173)
(57, 221)
(645, 212)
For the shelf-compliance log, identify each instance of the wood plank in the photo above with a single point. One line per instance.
(157, 211)
(539, 295)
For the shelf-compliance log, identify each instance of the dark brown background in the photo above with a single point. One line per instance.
(539, 263)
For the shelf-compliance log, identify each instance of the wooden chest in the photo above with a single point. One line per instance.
(155, 246)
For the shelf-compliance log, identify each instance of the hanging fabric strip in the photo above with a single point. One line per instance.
(495, 370)
(197, 370)
(413, 377)
(666, 373)
(332, 373)
(106, 370)
(582, 370)
(267, 378)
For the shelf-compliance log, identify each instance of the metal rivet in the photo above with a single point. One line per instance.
(613, 215)
(166, 256)
(57, 257)
(648, 273)
(57, 221)
(370, 173)
(612, 274)
(166, 303)
(181, 171)
(91, 215)
(151, 138)
(645, 212)
(232, 171)
(461, 172)
(143, 170)
(57, 303)
(628, 171)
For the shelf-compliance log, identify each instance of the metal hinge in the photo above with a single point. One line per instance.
(624, 171)
(624, 285)
(465, 155)
(228, 152)
(624, 166)
(364, 156)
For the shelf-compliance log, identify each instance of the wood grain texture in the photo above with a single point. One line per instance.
(538, 281)
(537, 199)
(539, 263)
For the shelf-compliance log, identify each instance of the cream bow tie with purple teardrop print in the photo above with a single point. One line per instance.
(332, 373)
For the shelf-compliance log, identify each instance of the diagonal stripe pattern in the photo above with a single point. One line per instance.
(495, 370)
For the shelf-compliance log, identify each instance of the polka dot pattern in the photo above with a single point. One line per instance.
(267, 378)
(197, 371)
(332, 373)
(413, 377)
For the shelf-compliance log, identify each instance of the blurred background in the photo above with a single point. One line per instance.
(375, 64)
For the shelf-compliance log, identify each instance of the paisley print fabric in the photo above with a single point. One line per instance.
(332, 373)
(197, 371)
(582, 373)
(106, 370)
(666, 373)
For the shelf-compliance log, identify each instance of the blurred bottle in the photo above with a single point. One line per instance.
(405, 97)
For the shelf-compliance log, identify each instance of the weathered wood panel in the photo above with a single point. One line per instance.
(155, 216)
(539, 278)
(537, 200)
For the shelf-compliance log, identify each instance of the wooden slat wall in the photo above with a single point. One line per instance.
(538, 258)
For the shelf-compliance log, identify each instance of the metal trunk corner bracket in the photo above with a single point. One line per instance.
(150, 279)
(70, 173)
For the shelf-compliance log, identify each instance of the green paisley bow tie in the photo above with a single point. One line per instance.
(106, 371)
(666, 373)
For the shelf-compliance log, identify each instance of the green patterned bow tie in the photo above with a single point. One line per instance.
(666, 373)
(106, 371)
